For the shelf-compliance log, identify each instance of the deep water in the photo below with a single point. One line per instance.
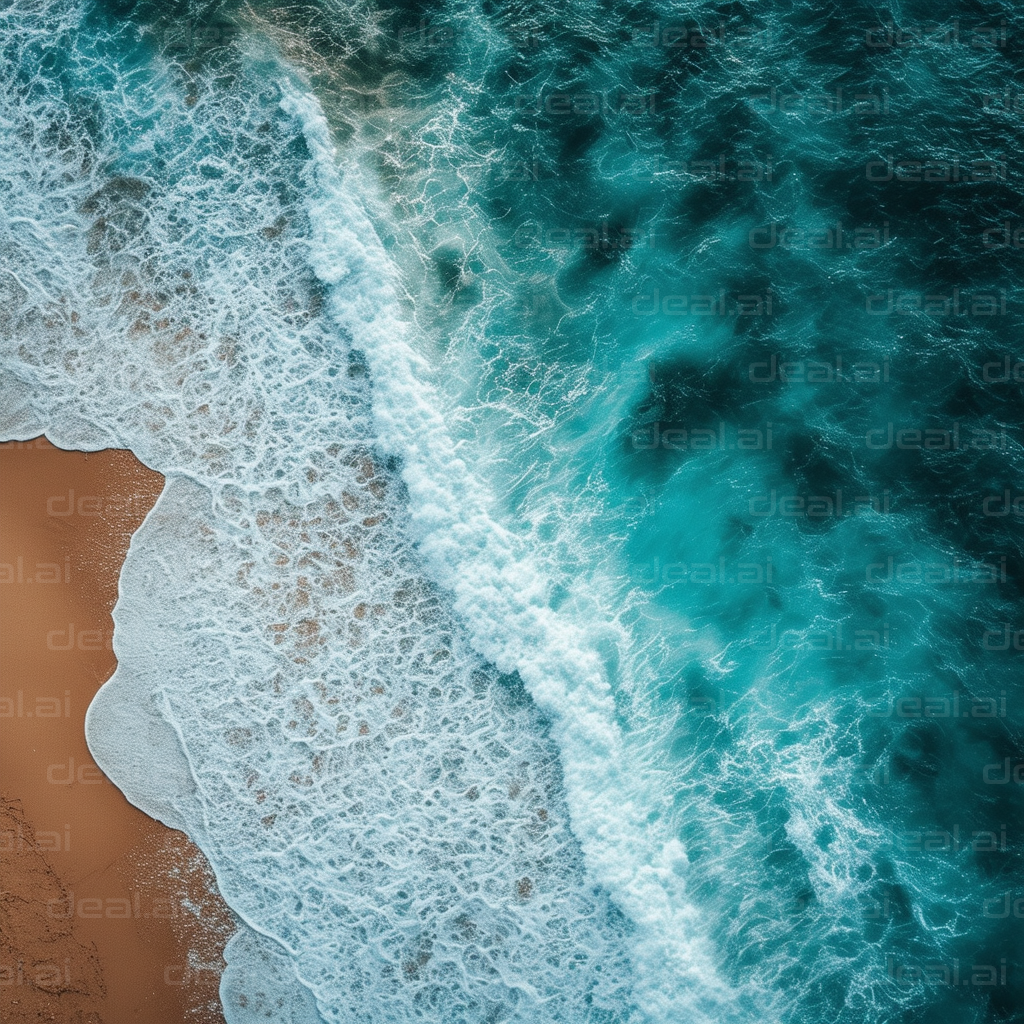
(590, 582)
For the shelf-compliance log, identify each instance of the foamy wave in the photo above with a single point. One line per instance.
(376, 801)
(502, 598)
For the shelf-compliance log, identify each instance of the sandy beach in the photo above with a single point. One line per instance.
(109, 917)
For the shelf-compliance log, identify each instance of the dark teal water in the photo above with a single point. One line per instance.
(715, 314)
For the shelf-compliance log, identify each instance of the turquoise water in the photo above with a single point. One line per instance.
(588, 584)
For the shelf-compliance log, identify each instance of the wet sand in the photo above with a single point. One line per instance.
(106, 916)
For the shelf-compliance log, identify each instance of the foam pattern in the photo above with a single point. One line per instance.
(381, 804)
(259, 984)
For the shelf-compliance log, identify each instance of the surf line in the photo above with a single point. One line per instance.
(501, 598)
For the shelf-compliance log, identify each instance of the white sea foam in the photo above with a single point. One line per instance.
(381, 806)
(259, 984)
(502, 598)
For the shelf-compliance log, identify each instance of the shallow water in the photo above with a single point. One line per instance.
(588, 584)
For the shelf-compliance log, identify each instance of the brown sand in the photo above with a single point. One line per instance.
(106, 916)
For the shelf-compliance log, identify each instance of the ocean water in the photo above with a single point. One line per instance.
(588, 585)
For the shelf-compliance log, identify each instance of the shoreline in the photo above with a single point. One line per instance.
(114, 916)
